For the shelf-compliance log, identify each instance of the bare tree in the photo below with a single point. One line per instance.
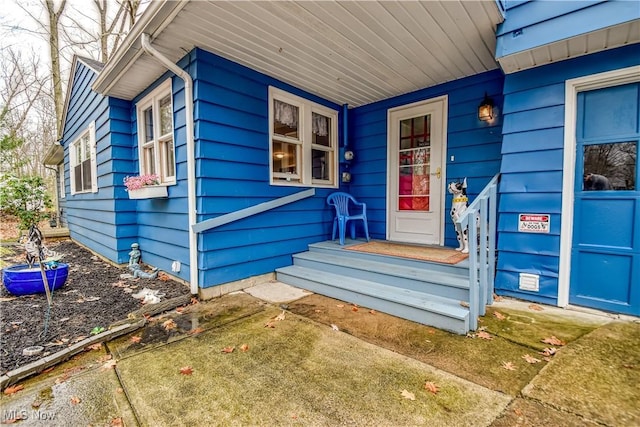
(23, 94)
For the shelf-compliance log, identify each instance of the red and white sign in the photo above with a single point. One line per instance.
(534, 223)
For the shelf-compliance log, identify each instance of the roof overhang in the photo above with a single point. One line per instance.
(347, 52)
(54, 155)
(603, 39)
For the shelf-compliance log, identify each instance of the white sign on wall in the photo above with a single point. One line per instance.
(534, 223)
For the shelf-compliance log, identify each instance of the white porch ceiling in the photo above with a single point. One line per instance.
(349, 52)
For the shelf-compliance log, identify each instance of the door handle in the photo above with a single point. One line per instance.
(437, 173)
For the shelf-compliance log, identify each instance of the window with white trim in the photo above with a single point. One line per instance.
(155, 134)
(82, 160)
(304, 140)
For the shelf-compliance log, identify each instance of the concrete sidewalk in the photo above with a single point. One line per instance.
(275, 355)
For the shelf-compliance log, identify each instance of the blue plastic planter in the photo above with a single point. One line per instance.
(22, 280)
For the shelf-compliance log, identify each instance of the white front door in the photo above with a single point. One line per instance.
(416, 144)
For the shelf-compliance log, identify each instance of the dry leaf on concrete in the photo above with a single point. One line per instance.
(553, 341)
(484, 335)
(408, 395)
(13, 389)
(509, 366)
(431, 387)
(499, 315)
(535, 307)
(530, 359)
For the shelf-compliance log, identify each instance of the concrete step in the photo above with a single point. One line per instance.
(421, 307)
(416, 277)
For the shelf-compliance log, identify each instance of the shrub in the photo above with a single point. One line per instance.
(26, 198)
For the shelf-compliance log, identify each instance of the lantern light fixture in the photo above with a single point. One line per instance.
(485, 109)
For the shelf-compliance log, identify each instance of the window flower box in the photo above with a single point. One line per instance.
(145, 187)
(149, 192)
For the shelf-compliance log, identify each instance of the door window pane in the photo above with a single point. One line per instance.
(610, 166)
(414, 163)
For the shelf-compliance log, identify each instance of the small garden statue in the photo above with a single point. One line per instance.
(134, 264)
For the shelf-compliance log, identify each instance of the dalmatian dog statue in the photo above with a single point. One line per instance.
(458, 206)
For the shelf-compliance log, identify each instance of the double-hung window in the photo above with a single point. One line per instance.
(82, 161)
(304, 140)
(155, 134)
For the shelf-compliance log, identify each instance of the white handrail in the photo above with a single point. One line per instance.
(480, 219)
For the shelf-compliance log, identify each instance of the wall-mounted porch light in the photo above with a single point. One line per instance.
(485, 109)
(279, 155)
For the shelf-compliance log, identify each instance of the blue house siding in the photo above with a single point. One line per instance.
(533, 149)
(98, 220)
(475, 145)
(232, 167)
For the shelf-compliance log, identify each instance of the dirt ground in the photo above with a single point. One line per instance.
(94, 296)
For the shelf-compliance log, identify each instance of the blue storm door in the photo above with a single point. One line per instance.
(605, 256)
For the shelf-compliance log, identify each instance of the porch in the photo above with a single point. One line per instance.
(424, 291)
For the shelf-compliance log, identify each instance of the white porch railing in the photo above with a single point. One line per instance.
(480, 219)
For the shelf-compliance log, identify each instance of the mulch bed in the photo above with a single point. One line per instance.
(93, 296)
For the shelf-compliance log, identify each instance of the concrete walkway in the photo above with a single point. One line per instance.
(276, 355)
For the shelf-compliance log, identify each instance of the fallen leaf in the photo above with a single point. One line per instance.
(499, 315)
(169, 324)
(530, 359)
(104, 358)
(244, 347)
(334, 327)
(18, 417)
(120, 390)
(13, 389)
(269, 325)
(318, 311)
(91, 299)
(484, 335)
(431, 331)
(75, 400)
(553, 341)
(549, 351)
(228, 349)
(186, 370)
(95, 347)
(373, 312)
(80, 338)
(408, 395)
(497, 298)
(509, 366)
(464, 304)
(36, 403)
(339, 305)
(280, 316)
(194, 301)
(136, 339)
(7, 299)
(535, 307)
(431, 387)
(354, 308)
(117, 422)
(355, 305)
(518, 412)
(46, 371)
(110, 364)
(163, 276)
(179, 309)
(196, 331)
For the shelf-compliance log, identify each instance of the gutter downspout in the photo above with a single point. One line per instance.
(191, 158)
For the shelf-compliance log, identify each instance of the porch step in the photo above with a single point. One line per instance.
(384, 270)
(421, 307)
(333, 247)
